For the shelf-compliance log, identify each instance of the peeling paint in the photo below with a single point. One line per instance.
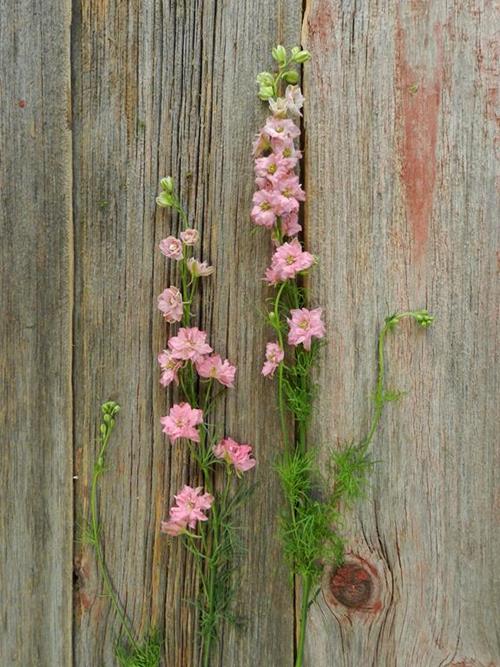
(420, 95)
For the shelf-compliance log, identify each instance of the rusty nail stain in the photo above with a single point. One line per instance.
(352, 586)
(22, 104)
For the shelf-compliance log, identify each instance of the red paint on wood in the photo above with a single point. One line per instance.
(420, 94)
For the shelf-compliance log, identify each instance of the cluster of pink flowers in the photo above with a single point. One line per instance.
(276, 206)
(190, 507)
(238, 455)
(279, 191)
(189, 346)
(288, 260)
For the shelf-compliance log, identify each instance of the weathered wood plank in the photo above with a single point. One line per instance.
(169, 89)
(400, 172)
(35, 362)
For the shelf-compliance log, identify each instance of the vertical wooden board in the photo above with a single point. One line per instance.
(400, 174)
(36, 305)
(167, 89)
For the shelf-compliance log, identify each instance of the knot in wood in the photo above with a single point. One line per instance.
(352, 585)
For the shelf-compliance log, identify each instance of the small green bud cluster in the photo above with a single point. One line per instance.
(109, 410)
(166, 198)
(423, 318)
(268, 82)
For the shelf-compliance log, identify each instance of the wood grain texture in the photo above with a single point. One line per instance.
(35, 359)
(169, 89)
(402, 211)
(400, 137)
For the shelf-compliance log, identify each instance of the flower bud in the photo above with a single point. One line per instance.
(302, 57)
(167, 184)
(424, 318)
(279, 54)
(164, 199)
(265, 79)
(291, 76)
(266, 92)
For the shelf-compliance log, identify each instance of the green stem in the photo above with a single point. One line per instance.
(96, 540)
(306, 590)
(281, 400)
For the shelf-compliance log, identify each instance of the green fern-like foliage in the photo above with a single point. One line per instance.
(146, 653)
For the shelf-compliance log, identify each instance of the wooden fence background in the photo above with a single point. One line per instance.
(99, 100)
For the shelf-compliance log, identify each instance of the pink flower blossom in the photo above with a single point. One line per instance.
(181, 422)
(290, 224)
(304, 325)
(288, 260)
(280, 128)
(274, 356)
(238, 455)
(272, 168)
(294, 100)
(190, 507)
(214, 367)
(170, 304)
(172, 528)
(290, 188)
(171, 248)
(190, 236)
(169, 367)
(199, 269)
(189, 344)
(263, 210)
(291, 103)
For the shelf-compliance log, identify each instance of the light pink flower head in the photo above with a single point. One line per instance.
(291, 103)
(181, 422)
(199, 269)
(240, 456)
(273, 168)
(189, 344)
(190, 236)
(169, 367)
(214, 367)
(288, 260)
(170, 304)
(274, 356)
(190, 507)
(294, 100)
(304, 326)
(281, 128)
(171, 248)
(263, 211)
(172, 528)
(290, 224)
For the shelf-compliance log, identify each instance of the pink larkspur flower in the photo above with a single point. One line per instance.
(214, 367)
(171, 248)
(172, 528)
(190, 507)
(290, 224)
(263, 210)
(290, 188)
(288, 260)
(169, 367)
(181, 422)
(199, 269)
(274, 356)
(240, 456)
(189, 344)
(294, 100)
(190, 236)
(281, 128)
(304, 326)
(170, 304)
(272, 168)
